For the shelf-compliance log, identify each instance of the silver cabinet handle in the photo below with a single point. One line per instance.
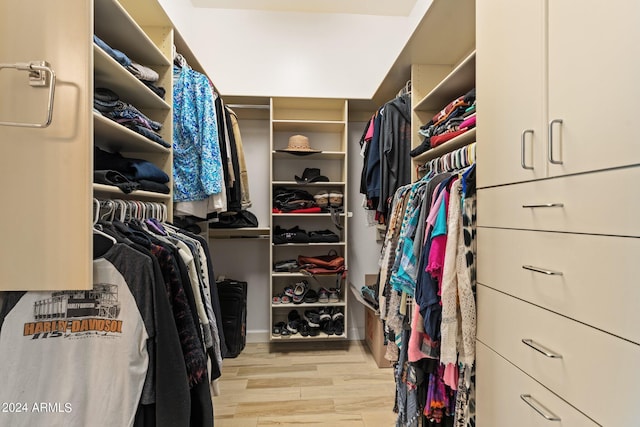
(547, 414)
(551, 159)
(542, 270)
(541, 349)
(545, 205)
(38, 71)
(522, 141)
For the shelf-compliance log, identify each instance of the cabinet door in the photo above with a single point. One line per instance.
(593, 83)
(45, 221)
(509, 75)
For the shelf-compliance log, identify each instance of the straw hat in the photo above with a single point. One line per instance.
(299, 144)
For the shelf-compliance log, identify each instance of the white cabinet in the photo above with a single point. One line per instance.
(324, 123)
(541, 64)
(556, 194)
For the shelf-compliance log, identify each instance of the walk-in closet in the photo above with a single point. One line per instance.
(418, 213)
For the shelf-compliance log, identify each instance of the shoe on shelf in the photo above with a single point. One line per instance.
(286, 266)
(278, 327)
(312, 317)
(337, 314)
(335, 199)
(322, 199)
(276, 299)
(325, 314)
(311, 297)
(303, 328)
(293, 321)
(333, 295)
(338, 326)
(301, 288)
(323, 296)
(288, 291)
(327, 327)
(285, 299)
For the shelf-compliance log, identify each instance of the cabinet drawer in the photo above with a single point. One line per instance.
(498, 401)
(573, 289)
(594, 203)
(596, 372)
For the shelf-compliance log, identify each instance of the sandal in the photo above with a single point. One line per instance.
(301, 288)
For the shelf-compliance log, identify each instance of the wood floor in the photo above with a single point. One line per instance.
(320, 384)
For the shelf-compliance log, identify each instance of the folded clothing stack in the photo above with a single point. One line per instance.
(128, 174)
(454, 119)
(108, 103)
(145, 74)
(297, 235)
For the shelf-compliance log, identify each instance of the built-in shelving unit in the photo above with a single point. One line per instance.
(324, 123)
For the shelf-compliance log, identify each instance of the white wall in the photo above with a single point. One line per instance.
(264, 53)
(364, 251)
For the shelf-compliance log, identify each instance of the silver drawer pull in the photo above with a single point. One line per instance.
(541, 349)
(545, 205)
(542, 270)
(547, 414)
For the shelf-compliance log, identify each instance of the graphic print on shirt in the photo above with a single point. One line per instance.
(77, 314)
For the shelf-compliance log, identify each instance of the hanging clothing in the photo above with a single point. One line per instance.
(197, 163)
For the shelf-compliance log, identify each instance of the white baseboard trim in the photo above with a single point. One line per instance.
(257, 336)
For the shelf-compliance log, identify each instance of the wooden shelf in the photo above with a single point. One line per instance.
(110, 74)
(284, 245)
(114, 26)
(458, 82)
(116, 137)
(308, 126)
(298, 337)
(304, 215)
(313, 184)
(249, 232)
(138, 194)
(325, 155)
(341, 303)
(453, 144)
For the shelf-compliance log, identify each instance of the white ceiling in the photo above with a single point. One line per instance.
(359, 7)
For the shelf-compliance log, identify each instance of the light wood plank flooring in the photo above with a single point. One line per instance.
(311, 384)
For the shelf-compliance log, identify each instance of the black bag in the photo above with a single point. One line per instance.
(240, 219)
(233, 305)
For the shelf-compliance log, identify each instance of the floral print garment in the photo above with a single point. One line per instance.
(197, 164)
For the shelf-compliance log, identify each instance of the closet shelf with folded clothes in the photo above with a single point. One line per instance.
(117, 137)
(459, 141)
(298, 215)
(311, 184)
(111, 189)
(109, 73)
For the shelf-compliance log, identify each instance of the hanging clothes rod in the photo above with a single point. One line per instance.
(249, 106)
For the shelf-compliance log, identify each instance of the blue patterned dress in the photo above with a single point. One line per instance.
(197, 164)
